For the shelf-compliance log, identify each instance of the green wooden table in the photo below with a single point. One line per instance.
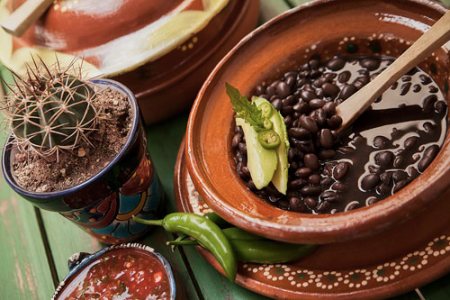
(35, 244)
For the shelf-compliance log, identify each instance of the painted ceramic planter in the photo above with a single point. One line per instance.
(162, 50)
(329, 28)
(79, 263)
(104, 204)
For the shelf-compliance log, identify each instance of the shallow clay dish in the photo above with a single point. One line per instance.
(379, 266)
(150, 46)
(328, 28)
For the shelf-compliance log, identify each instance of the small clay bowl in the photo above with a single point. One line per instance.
(80, 263)
(326, 27)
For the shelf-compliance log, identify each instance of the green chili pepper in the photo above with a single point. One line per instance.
(255, 249)
(266, 110)
(268, 124)
(217, 219)
(205, 231)
(269, 139)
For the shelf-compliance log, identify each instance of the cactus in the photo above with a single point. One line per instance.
(51, 110)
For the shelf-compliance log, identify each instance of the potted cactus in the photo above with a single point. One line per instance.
(78, 147)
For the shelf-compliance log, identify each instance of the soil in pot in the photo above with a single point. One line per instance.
(47, 174)
(387, 147)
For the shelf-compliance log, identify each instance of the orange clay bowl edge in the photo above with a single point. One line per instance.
(209, 131)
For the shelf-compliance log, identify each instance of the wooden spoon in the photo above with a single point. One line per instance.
(22, 18)
(436, 36)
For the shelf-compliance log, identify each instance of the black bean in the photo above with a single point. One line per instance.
(326, 182)
(417, 88)
(307, 95)
(344, 76)
(314, 179)
(433, 89)
(334, 122)
(399, 185)
(327, 153)
(361, 81)
(283, 204)
(314, 64)
(310, 202)
(371, 200)
(380, 142)
(288, 121)
(374, 169)
(297, 183)
(410, 142)
(319, 116)
(370, 63)
(424, 79)
(245, 171)
(282, 89)
(352, 205)
(406, 78)
(428, 103)
(289, 100)
(303, 172)
(292, 152)
(386, 177)
(260, 90)
(428, 155)
(251, 185)
(369, 181)
(311, 190)
(316, 103)
(399, 175)
(328, 77)
(286, 109)
(277, 103)
(301, 107)
(336, 64)
(323, 206)
(290, 81)
(330, 196)
(300, 133)
(296, 204)
(347, 91)
(398, 161)
(242, 147)
(326, 138)
(384, 159)
(346, 149)
(341, 170)
(330, 90)
(428, 126)
(270, 91)
(236, 140)
(308, 123)
(404, 89)
(441, 107)
(311, 161)
(306, 147)
(339, 186)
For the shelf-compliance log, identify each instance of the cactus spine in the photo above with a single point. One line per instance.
(51, 110)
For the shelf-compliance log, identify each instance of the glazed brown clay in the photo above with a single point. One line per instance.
(382, 265)
(278, 46)
(164, 66)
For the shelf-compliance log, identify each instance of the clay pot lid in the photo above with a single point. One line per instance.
(274, 47)
(113, 36)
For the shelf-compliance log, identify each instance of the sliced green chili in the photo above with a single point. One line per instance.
(205, 231)
(266, 110)
(269, 139)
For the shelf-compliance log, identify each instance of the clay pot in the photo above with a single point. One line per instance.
(80, 262)
(162, 50)
(104, 204)
(340, 27)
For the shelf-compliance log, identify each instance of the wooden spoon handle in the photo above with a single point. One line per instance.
(436, 36)
(19, 21)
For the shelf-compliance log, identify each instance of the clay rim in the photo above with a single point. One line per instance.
(132, 246)
(315, 228)
(132, 135)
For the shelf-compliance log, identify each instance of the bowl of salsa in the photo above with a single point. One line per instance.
(125, 271)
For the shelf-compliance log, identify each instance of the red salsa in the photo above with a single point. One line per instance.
(120, 274)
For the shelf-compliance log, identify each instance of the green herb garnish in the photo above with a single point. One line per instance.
(246, 110)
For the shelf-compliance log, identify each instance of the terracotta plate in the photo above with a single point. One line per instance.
(409, 256)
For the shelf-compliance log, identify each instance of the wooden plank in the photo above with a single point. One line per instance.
(24, 268)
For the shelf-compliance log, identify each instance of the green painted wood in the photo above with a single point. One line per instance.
(24, 268)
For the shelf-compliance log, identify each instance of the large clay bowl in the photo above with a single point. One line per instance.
(276, 47)
(163, 50)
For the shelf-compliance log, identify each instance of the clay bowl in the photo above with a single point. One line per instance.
(162, 50)
(329, 28)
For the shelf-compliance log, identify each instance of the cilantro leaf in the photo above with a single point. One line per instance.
(244, 109)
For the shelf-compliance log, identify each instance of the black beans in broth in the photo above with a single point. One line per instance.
(386, 148)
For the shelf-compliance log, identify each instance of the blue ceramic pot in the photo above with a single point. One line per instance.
(80, 261)
(104, 204)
